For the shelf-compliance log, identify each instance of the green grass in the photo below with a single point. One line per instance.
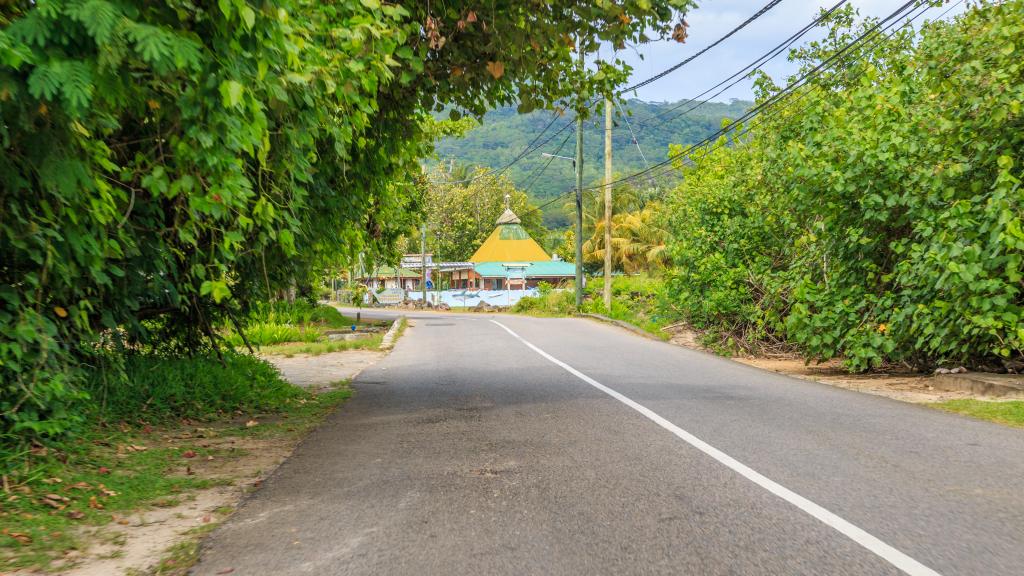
(122, 458)
(266, 333)
(318, 348)
(158, 387)
(1009, 412)
(102, 467)
(299, 313)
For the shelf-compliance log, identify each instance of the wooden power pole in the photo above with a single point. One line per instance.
(608, 204)
(423, 262)
(579, 195)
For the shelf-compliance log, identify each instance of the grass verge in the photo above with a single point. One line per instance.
(1010, 412)
(289, 349)
(132, 454)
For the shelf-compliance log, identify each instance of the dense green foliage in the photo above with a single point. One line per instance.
(165, 164)
(878, 216)
(154, 387)
(504, 134)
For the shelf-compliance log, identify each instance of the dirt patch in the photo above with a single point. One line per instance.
(905, 386)
(315, 372)
(898, 384)
(135, 542)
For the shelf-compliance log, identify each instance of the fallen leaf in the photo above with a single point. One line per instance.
(471, 16)
(76, 515)
(21, 537)
(52, 480)
(497, 69)
(104, 470)
(94, 504)
(80, 486)
(226, 571)
(207, 519)
(251, 423)
(60, 311)
(105, 491)
(123, 522)
(188, 454)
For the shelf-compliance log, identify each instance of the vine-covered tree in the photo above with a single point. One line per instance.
(165, 163)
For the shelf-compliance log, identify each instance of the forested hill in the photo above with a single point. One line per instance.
(504, 134)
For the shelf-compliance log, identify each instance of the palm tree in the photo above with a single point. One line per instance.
(638, 241)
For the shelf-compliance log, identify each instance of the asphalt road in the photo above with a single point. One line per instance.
(492, 444)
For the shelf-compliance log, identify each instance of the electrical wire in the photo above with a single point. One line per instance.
(540, 169)
(757, 64)
(529, 148)
(744, 24)
(533, 146)
(791, 87)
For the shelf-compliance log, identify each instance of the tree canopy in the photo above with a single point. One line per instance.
(877, 215)
(166, 163)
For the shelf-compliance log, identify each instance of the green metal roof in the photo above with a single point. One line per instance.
(543, 268)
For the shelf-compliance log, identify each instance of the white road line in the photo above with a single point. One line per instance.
(893, 556)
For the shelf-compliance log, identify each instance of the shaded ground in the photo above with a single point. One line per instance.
(155, 536)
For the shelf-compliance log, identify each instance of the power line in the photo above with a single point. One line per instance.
(533, 146)
(540, 169)
(762, 119)
(737, 77)
(791, 87)
(660, 75)
(685, 155)
(529, 148)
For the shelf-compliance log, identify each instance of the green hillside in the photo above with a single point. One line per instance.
(504, 134)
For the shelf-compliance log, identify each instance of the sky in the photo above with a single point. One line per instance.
(713, 19)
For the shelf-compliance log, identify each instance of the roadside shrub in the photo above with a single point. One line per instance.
(153, 387)
(297, 313)
(267, 333)
(881, 219)
(553, 303)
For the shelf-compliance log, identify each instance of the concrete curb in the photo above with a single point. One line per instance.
(388, 342)
(621, 324)
(981, 383)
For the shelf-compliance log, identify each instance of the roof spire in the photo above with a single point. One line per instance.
(508, 216)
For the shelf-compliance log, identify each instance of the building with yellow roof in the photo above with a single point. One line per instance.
(510, 258)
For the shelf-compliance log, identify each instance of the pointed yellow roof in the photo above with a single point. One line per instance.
(509, 243)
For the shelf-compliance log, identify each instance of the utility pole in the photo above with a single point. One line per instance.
(423, 262)
(579, 194)
(608, 204)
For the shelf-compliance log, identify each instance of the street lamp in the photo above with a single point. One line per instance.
(569, 158)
